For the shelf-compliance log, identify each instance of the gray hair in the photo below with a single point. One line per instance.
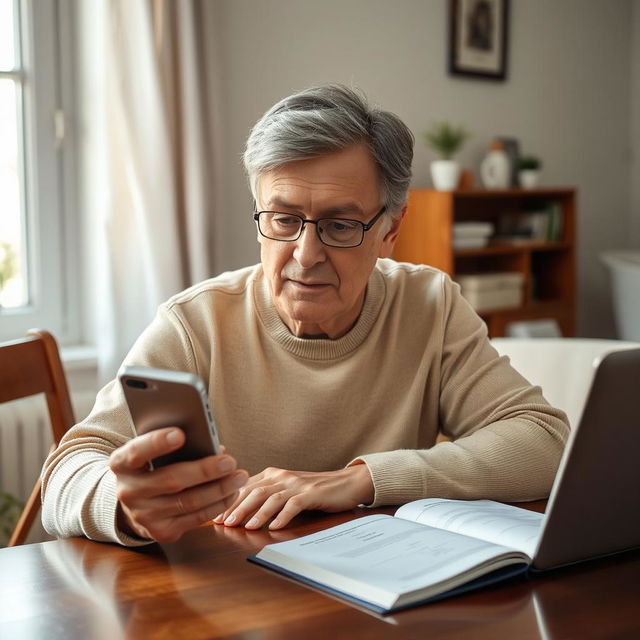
(329, 118)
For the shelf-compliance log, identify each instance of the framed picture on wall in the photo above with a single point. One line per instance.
(478, 38)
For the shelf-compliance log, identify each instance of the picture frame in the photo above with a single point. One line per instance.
(478, 38)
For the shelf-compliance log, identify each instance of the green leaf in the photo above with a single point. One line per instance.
(8, 263)
(445, 138)
(10, 510)
(529, 162)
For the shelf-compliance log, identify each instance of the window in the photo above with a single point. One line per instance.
(37, 225)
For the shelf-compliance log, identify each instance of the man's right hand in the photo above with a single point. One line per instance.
(164, 503)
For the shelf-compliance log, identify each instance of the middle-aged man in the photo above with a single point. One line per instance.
(331, 369)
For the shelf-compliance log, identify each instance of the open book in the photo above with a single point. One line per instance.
(430, 549)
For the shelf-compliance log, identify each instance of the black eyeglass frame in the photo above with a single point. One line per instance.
(365, 227)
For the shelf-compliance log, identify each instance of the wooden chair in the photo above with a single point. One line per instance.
(29, 366)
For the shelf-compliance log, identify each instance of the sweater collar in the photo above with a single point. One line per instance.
(319, 348)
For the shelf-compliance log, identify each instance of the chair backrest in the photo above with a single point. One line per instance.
(563, 367)
(29, 366)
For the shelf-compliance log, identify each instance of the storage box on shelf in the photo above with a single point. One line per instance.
(534, 237)
(492, 291)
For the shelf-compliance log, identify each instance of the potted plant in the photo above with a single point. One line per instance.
(10, 510)
(446, 140)
(7, 265)
(529, 171)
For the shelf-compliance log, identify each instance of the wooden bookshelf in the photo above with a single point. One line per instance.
(548, 267)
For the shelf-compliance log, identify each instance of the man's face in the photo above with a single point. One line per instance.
(319, 290)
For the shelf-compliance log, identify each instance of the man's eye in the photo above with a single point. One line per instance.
(286, 221)
(341, 226)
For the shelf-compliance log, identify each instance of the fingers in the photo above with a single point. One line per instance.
(164, 503)
(197, 498)
(283, 507)
(242, 495)
(255, 507)
(281, 495)
(178, 477)
(248, 502)
(139, 451)
(203, 514)
(272, 493)
(166, 518)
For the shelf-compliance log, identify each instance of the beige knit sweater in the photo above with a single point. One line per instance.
(416, 363)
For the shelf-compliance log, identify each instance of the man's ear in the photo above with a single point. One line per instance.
(389, 240)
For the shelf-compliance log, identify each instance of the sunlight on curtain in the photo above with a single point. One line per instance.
(157, 167)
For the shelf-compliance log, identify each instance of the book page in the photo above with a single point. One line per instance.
(485, 519)
(379, 557)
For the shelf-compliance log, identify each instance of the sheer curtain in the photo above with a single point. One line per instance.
(157, 169)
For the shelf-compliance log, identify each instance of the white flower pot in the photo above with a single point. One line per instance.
(528, 178)
(445, 174)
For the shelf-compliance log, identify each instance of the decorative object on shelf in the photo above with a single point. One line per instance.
(495, 169)
(467, 180)
(446, 140)
(512, 147)
(529, 171)
(478, 38)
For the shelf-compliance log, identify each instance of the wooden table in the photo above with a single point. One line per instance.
(203, 587)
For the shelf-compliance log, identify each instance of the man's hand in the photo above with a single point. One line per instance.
(165, 503)
(280, 494)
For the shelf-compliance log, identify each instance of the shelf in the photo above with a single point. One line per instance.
(537, 307)
(548, 268)
(546, 192)
(515, 247)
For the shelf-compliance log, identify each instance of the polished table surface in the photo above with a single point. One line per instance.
(203, 587)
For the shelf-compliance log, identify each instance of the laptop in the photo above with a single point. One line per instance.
(594, 506)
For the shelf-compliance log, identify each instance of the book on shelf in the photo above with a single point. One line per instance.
(471, 235)
(428, 550)
(480, 242)
(556, 220)
(544, 224)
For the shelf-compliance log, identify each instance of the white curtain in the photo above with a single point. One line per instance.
(158, 165)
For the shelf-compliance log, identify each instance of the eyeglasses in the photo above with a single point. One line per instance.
(334, 232)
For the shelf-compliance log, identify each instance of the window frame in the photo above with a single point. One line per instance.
(51, 225)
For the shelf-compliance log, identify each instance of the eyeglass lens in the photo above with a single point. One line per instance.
(332, 231)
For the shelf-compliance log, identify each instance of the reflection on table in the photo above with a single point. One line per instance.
(203, 587)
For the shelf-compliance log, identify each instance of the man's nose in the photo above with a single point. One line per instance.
(309, 249)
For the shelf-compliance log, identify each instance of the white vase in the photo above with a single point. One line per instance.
(445, 174)
(528, 178)
(495, 169)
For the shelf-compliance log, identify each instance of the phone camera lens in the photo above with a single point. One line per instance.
(136, 384)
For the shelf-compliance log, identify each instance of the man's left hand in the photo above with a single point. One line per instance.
(281, 495)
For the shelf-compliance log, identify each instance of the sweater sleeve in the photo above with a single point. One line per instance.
(506, 440)
(78, 488)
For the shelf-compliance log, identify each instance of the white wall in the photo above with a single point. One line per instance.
(635, 127)
(567, 99)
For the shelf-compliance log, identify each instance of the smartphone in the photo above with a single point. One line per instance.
(160, 398)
